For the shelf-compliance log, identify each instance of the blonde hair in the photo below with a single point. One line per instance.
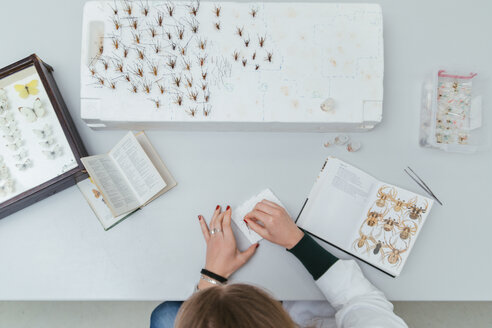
(236, 305)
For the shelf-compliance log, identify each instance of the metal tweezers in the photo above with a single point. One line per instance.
(421, 184)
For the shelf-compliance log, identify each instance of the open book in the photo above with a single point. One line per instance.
(131, 175)
(374, 221)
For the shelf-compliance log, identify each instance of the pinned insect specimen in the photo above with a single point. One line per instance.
(153, 32)
(257, 67)
(202, 44)
(101, 50)
(173, 46)
(235, 55)
(105, 64)
(55, 152)
(384, 197)
(161, 88)
(128, 8)
(169, 35)
(394, 254)
(206, 96)
(189, 81)
(116, 43)
(269, 57)
(178, 100)
(244, 61)
(116, 23)
(171, 62)
(170, 9)
(261, 41)
(157, 103)
(193, 95)
(47, 143)
(192, 111)
(14, 145)
(154, 69)
(125, 52)
(127, 77)
(239, 31)
(156, 47)
(217, 11)
(141, 54)
(201, 60)
(25, 165)
(180, 32)
(31, 114)
(177, 81)
(25, 90)
(46, 131)
(194, 8)
(204, 75)
(159, 19)
(119, 67)
(114, 9)
(206, 110)
(186, 65)
(13, 136)
(194, 26)
(182, 50)
(253, 12)
(253, 56)
(136, 38)
(145, 9)
(134, 88)
(246, 42)
(134, 23)
(204, 86)
(7, 187)
(217, 26)
(139, 71)
(147, 87)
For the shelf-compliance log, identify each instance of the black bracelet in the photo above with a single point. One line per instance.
(214, 276)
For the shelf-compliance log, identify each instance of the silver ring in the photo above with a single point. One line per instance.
(214, 231)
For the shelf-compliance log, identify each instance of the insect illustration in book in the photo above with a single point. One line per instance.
(98, 194)
(31, 114)
(361, 242)
(415, 212)
(25, 90)
(377, 247)
(399, 205)
(374, 217)
(383, 196)
(393, 256)
(407, 229)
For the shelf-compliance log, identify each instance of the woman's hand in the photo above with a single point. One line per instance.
(223, 257)
(273, 223)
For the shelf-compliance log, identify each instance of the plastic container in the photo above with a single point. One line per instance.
(451, 117)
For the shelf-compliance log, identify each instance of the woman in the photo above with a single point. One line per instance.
(353, 300)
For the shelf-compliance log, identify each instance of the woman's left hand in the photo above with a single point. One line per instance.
(223, 257)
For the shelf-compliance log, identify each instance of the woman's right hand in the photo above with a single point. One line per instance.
(272, 222)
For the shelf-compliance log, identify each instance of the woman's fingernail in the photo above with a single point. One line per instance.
(257, 245)
(218, 206)
(228, 208)
(245, 221)
(199, 217)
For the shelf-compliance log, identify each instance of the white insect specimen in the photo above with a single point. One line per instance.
(14, 146)
(7, 119)
(21, 155)
(46, 131)
(47, 143)
(31, 114)
(55, 152)
(25, 165)
(7, 187)
(12, 136)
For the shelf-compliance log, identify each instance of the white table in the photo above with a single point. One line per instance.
(57, 250)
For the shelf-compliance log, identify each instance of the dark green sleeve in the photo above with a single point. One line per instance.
(315, 258)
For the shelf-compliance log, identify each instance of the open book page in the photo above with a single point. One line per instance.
(112, 183)
(144, 178)
(389, 227)
(336, 202)
(157, 162)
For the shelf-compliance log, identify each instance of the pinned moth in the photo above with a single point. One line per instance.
(12, 136)
(47, 143)
(25, 165)
(15, 145)
(55, 152)
(7, 119)
(7, 187)
(31, 114)
(21, 155)
(192, 111)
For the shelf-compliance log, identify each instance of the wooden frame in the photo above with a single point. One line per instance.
(65, 179)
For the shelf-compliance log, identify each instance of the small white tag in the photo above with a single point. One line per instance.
(239, 213)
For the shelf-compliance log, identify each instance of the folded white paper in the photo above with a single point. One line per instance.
(239, 213)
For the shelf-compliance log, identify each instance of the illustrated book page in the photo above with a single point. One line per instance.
(240, 212)
(376, 222)
(126, 176)
(98, 205)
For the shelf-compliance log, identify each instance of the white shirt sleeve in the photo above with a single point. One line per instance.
(356, 301)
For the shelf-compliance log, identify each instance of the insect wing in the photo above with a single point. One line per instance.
(39, 108)
(15, 145)
(28, 113)
(47, 142)
(22, 90)
(32, 87)
(45, 132)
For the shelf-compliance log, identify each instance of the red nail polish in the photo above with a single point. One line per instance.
(218, 206)
(257, 245)
(199, 217)
(245, 221)
(228, 207)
